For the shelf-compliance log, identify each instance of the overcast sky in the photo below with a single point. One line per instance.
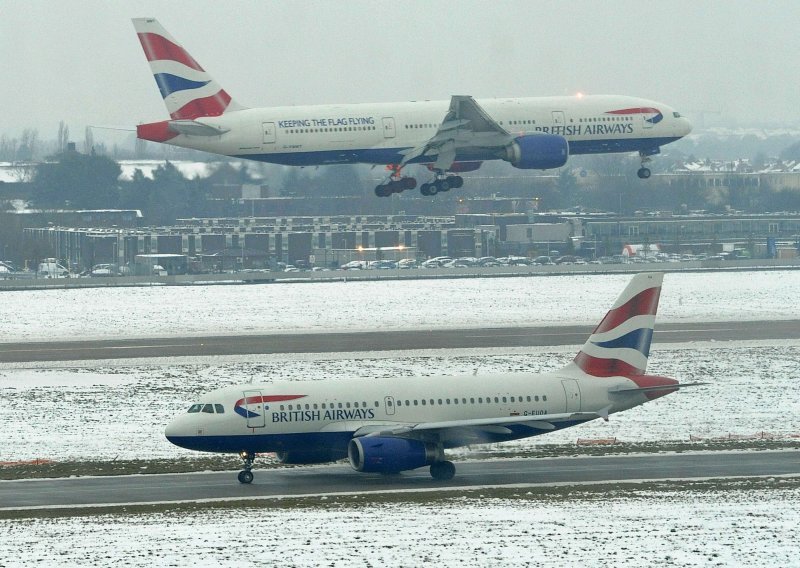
(80, 61)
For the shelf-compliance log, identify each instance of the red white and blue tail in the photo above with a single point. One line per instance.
(188, 90)
(620, 345)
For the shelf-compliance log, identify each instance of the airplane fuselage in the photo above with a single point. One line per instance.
(380, 133)
(321, 415)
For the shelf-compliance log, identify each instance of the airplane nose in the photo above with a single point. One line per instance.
(177, 430)
(687, 127)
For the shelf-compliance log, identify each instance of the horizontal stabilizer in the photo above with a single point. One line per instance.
(655, 388)
(194, 128)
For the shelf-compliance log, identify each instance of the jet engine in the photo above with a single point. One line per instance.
(537, 152)
(389, 455)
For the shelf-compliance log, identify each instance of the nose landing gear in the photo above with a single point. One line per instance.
(246, 476)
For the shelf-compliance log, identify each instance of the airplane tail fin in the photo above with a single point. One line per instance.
(188, 90)
(620, 344)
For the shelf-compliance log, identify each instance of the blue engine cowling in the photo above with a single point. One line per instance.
(389, 455)
(538, 152)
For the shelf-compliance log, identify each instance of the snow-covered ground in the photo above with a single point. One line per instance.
(409, 304)
(637, 528)
(119, 408)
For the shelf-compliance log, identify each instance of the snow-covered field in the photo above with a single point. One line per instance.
(639, 528)
(409, 304)
(103, 409)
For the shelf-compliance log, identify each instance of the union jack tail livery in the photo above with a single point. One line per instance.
(620, 345)
(188, 90)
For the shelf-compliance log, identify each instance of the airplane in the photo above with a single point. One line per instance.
(449, 137)
(393, 425)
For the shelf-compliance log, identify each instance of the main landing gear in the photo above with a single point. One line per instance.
(441, 184)
(246, 476)
(397, 183)
(443, 470)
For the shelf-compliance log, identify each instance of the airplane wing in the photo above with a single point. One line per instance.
(466, 125)
(474, 429)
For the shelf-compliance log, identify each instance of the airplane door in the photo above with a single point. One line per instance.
(388, 403)
(558, 118)
(268, 128)
(254, 405)
(573, 394)
(388, 127)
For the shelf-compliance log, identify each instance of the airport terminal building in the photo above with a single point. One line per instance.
(221, 244)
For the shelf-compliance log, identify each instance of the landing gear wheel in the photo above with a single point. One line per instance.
(245, 476)
(409, 183)
(383, 190)
(456, 182)
(443, 470)
(442, 185)
(428, 189)
(643, 173)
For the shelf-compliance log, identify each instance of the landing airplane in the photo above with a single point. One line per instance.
(448, 137)
(389, 426)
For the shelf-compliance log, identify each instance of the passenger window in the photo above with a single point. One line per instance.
(377, 404)
(536, 398)
(480, 400)
(504, 399)
(208, 408)
(347, 405)
(219, 408)
(408, 403)
(440, 401)
(432, 402)
(512, 399)
(415, 403)
(529, 399)
(472, 400)
(423, 402)
(399, 402)
(355, 404)
(340, 404)
(195, 408)
(315, 406)
(544, 397)
(496, 400)
(455, 401)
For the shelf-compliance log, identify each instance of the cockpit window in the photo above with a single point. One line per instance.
(195, 408)
(208, 408)
(676, 114)
(219, 408)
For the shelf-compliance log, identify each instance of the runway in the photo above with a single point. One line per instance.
(378, 341)
(304, 481)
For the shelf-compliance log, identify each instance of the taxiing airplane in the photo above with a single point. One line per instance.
(389, 426)
(449, 137)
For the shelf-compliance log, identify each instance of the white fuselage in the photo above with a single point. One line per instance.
(379, 133)
(322, 414)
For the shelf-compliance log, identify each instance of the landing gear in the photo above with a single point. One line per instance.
(398, 185)
(443, 470)
(441, 184)
(644, 156)
(396, 182)
(246, 476)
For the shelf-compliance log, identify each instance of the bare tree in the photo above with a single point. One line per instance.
(88, 141)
